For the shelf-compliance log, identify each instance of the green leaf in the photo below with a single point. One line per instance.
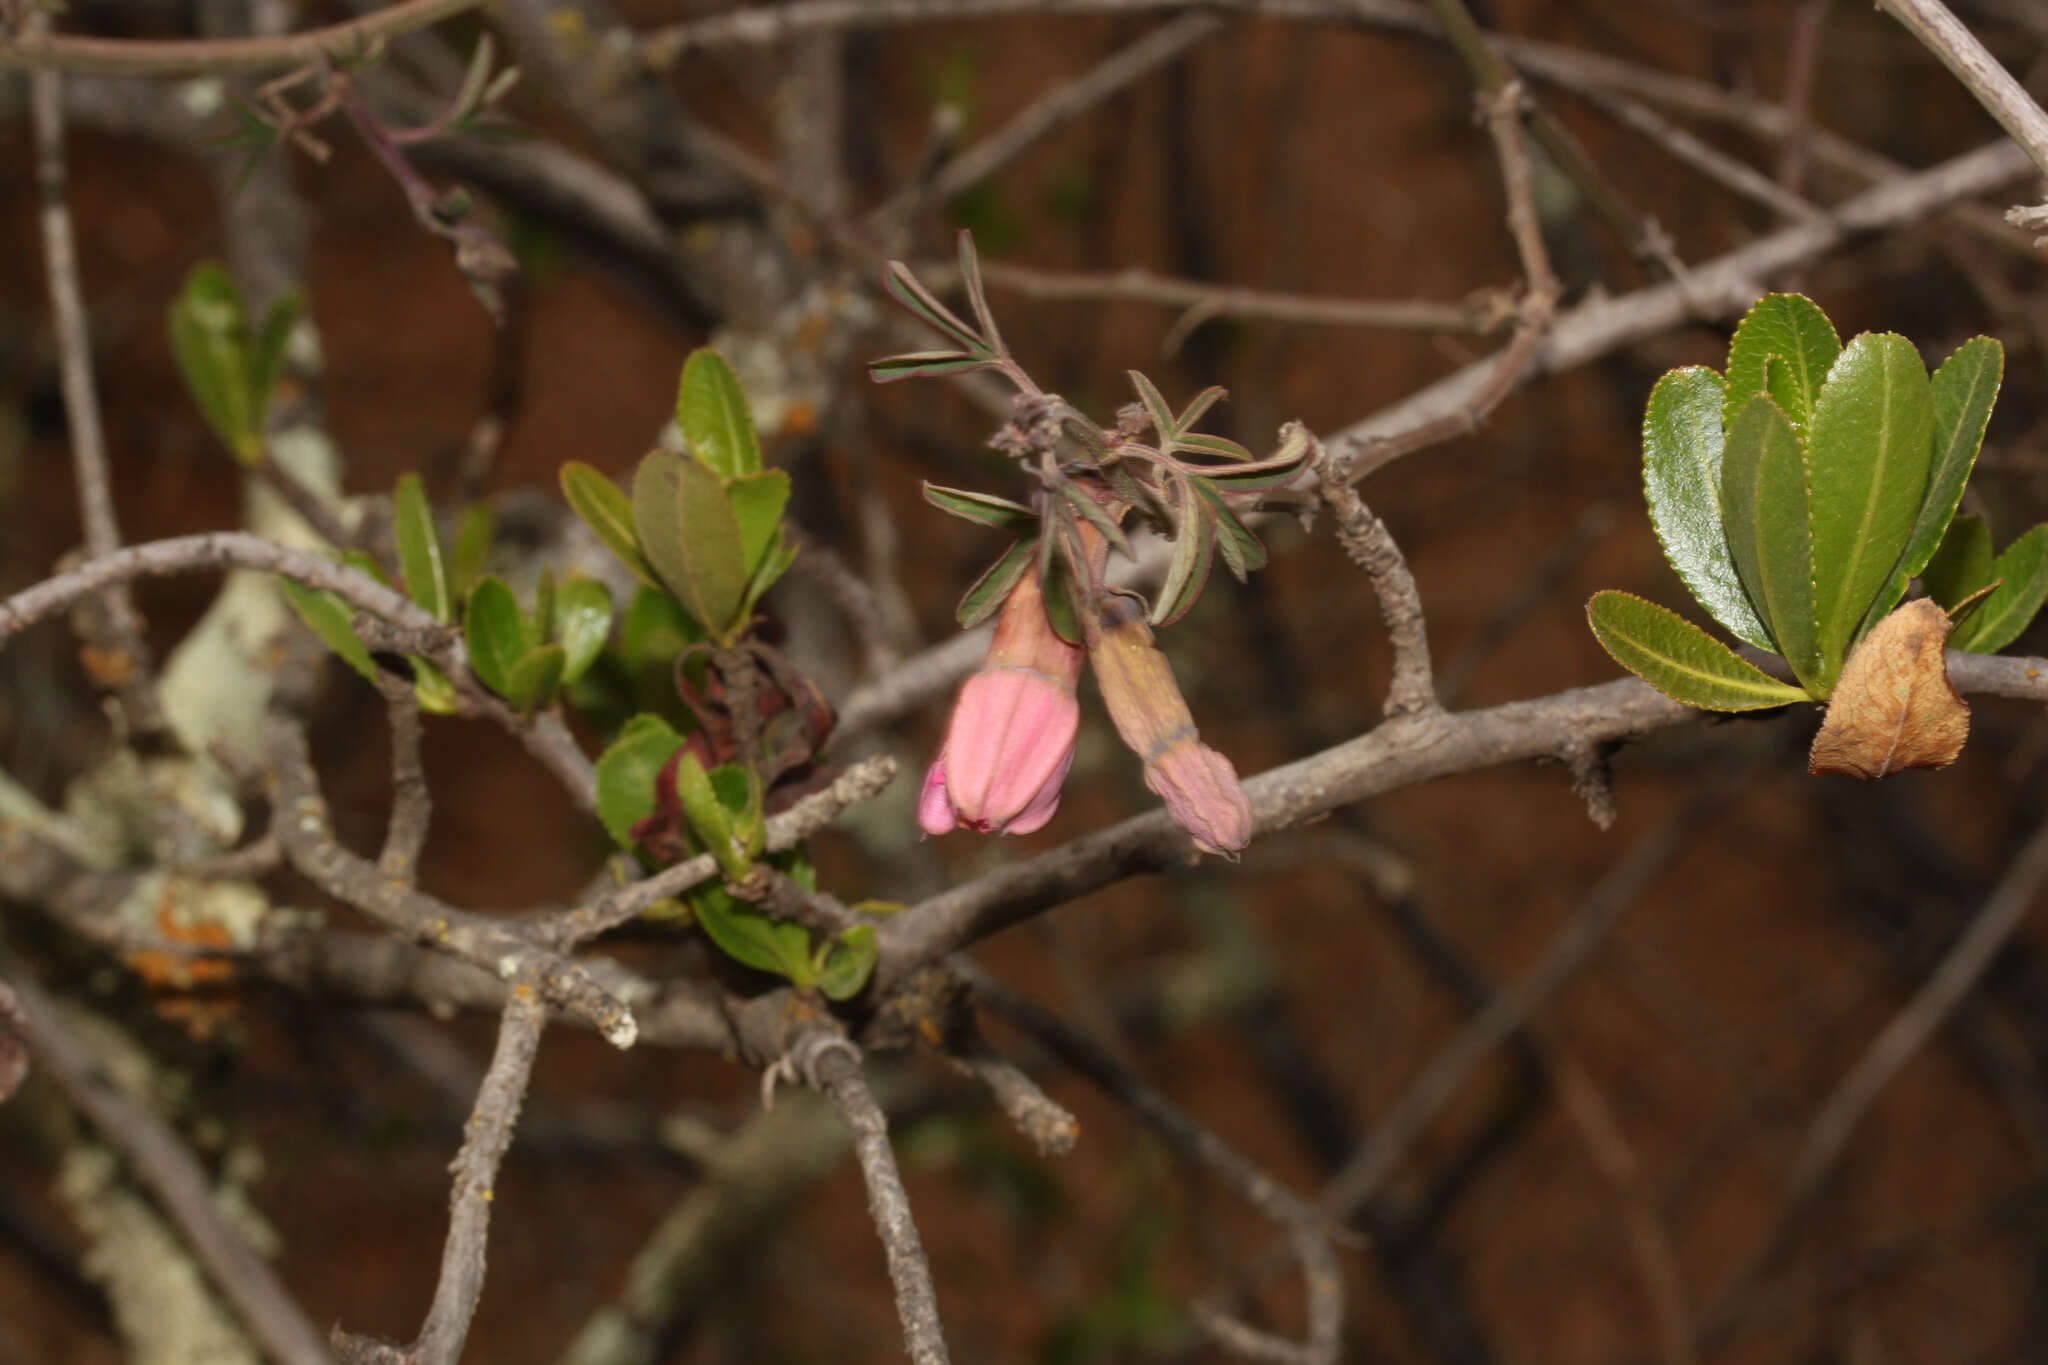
(1198, 407)
(925, 365)
(1868, 449)
(1962, 565)
(419, 548)
(711, 820)
(711, 408)
(982, 600)
(774, 564)
(1061, 587)
(473, 537)
(1194, 536)
(581, 622)
(843, 964)
(608, 512)
(1679, 659)
(2010, 610)
(970, 282)
(267, 350)
(535, 626)
(1156, 406)
(1763, 504)
(330, 618)
(1199, 443)
(495, 631)
(1097, 516)
(689, 534)
(656, 629)
(366, 562)
(909, 291)
(1242, 551)
(750, 937)
(1682, 453)
(739, 791)
(534, 678)
(1794, 328)
(210, 340)
(626, 773)
(757, 503)
(1964, 389)
(437, 695)
(984, 508)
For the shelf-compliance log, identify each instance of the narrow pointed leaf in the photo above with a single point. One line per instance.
(909, 291)
(982, 599)
(1868, 449)
(1963, 563)
(533, 629)
(710, 820)
(977, 299)
(328, 617)
(1763, 506)
(1242, 551)
(580, 624)
(626, 773)
(984, 508)
(1155, 407)
(1964, 389)
(419, 549)
(1188, 572)
(495, 631)
(711, 408)
(608, 512)
(534, 678)
(1198, 407)
(267, 352)
(1220, 446)
(1790, 326)
(210, 341)
(689, 534)
(473, 537)
(758, 501)
(1679, 659)
(1682, 453)
(2010, 610)
(1061, 585)
(925, 365)
(1095, 515)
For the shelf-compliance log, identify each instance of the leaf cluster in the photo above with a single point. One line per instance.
(231, 367)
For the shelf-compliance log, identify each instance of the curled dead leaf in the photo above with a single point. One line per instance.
(1894, 707)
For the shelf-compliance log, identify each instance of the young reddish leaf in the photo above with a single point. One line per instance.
(1096, 515)
(1220, 446)
(925, 365)
(984, 508)
(1198, 407)
(1679, 659)
(1894, 707)
(986, 595)
(1188, 572)
(1155, 407)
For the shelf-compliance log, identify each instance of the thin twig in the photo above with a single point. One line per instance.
(831, 1064)
(169, 1171)
(1365, 538)
(412, 804)
(136, 56)
(2001, 94)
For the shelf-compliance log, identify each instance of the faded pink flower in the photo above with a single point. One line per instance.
(1011, 739)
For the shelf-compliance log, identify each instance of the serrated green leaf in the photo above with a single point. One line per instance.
(983, 508)
(608, 512)
(209, 336)
(757, 504)
(1679, 659)
(747, 936)
(534, 678)
(495, 631)
(1794, 328)
(1964, 389)
(1963, 563)
(844, 963)
(419, 548)
(1187, 573)
(1682, 453)
(328, 617)
(1868, 449)
(711, 408)
(982, 600)
(2007, 613)
(1763, 507)
(580, 623)
(626, 773)
(1242, 551)
(710, 819)
(689, 534)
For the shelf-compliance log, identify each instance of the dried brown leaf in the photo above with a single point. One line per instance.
(1894, 707)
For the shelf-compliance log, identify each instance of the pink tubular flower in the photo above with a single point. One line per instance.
(1011, 739)
(1198, 784)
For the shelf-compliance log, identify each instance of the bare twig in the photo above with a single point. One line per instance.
(1365, 538)
(134, 56)
(2002, 96)
(412, 805)
(175, 1178)
(831, 1064)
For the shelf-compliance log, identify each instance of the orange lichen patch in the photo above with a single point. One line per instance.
(109, 668)
(189, 982)
(801, 419)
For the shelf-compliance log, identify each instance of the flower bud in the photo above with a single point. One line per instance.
(1011, 739)
(1198, 784)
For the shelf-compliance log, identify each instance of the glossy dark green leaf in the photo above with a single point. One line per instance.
(984, 508)
(496, 633)
(626, 773)
(1964, 389)
(844, 963)
(1187, 573)
(1241, 550)
(209, 335)
(1790, 326)
(608, 512)
(1868, 449)
(2010, 610)
(419, 549)
(985, 597)
(580, 623)
(473, 538)
(1679, 659)
(534, 678)
(689, 534)
(330, 618)
(711, 408)
(1763, 507)
(758, 501)
(1682, 453)
(1962, 564)
(747, 936)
